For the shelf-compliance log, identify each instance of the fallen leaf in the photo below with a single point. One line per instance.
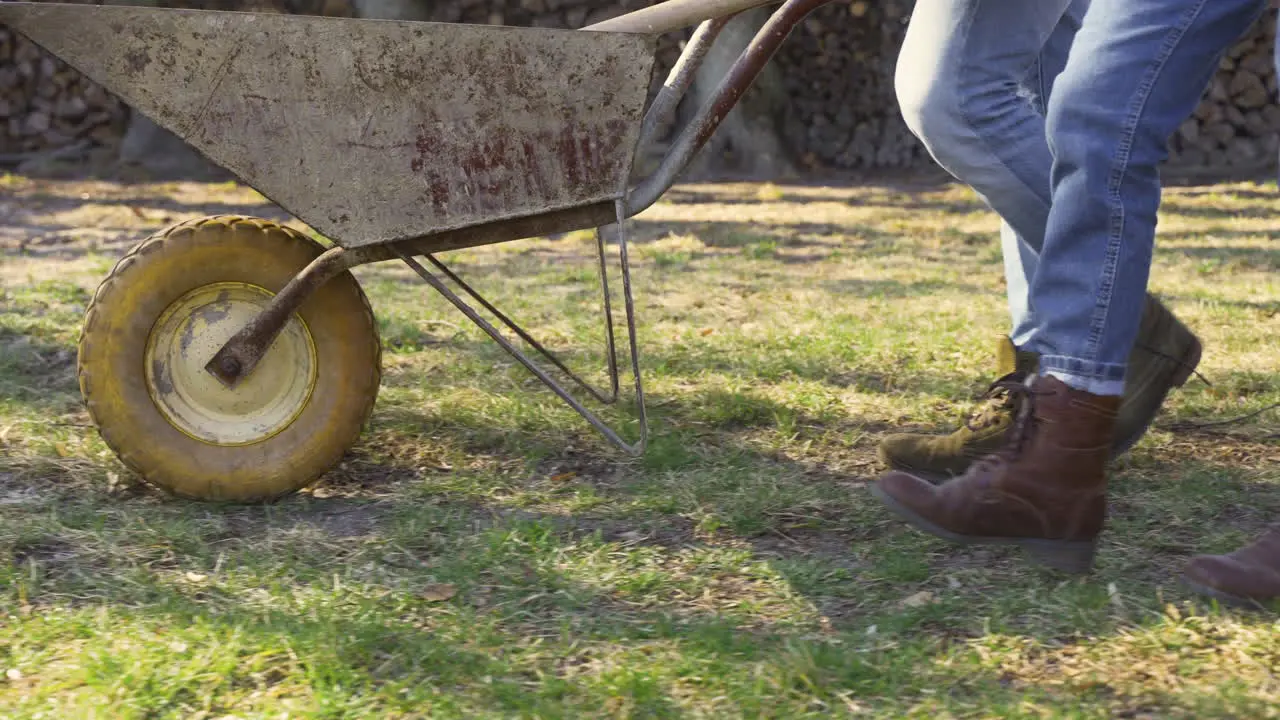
(439, 593)
(564, 476)
(62, 450)
(707, 331)
(920, 599)
(196, 577)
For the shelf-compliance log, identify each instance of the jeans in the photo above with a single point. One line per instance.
(1136, 71)
(973, 81)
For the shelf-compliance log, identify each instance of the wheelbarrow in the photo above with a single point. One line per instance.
(233, 358)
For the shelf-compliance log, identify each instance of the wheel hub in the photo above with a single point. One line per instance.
(190, 332)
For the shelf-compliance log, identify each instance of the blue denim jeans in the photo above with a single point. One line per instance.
(1136, 71)
(973, 80)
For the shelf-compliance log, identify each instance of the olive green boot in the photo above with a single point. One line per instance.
(1164, 356)
(943, 456)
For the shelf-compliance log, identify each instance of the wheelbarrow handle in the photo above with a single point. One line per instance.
(675, 15)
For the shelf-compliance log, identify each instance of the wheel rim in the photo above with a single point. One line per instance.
(263, 404)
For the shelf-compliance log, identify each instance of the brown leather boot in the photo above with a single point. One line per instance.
(1248, 576)
(1164, 356)
(1046, 490)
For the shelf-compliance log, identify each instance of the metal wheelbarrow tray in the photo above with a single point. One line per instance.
(232, 358)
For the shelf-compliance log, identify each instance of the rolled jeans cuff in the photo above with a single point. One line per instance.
(1091, 377)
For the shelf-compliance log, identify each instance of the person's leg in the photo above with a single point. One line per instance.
(1021, 256)
(1136, 71)
(973, 80)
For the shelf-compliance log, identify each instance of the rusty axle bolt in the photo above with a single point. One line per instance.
(230, 367)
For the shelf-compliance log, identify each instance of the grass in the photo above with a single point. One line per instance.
(483, 553)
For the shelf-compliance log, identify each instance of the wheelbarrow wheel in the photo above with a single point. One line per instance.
(163, 312)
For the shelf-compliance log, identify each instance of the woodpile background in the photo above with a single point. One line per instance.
(840, 65)
(837, 72)
(1238, 123)
(45, 105)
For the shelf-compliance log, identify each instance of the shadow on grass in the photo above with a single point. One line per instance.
(37, 372)
(45, 200)
(734, 556)
(383, 634)
(1258, 256)
(525, 576)
(1175, 206)
(36, 201)
(921, 197)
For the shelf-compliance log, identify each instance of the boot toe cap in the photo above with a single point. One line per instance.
(913, 453)
(907, 490)
(1226, 576)
(898, 450)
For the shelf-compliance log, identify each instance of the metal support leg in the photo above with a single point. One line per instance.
(611, 356)
(475, 317)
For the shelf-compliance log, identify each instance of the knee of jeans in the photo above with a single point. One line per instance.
(932, 111)
(927, 103)
(1073, 130)
(940, 107)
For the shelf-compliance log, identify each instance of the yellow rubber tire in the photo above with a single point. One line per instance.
(266, 438)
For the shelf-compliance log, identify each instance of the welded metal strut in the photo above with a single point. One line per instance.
(533, 367)
(611, 355)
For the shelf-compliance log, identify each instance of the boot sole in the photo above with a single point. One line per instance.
(1187, 365)
(936, 477)
(1223, 597)
(1074, 557)
(932, 476)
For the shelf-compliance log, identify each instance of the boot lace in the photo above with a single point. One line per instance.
(997, 401)
(1023, 399)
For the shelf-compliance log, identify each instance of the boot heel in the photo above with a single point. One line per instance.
(1075, 558)
(1187, 365)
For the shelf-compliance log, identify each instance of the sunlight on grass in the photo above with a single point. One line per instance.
(482, 552)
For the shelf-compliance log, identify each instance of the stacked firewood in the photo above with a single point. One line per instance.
(45, 105)
(838, 68)
(839, 65)
(1238, 122)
